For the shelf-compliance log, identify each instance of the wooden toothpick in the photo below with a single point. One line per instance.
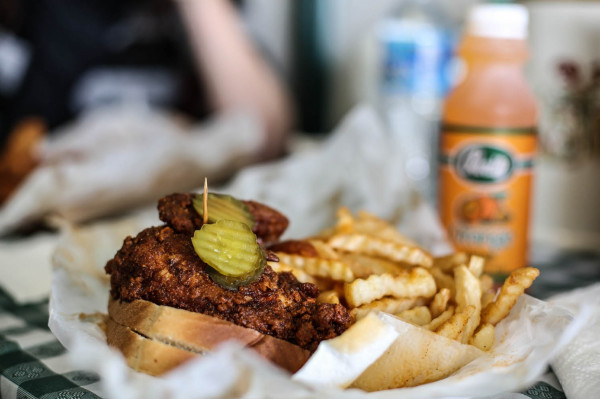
(205, 213)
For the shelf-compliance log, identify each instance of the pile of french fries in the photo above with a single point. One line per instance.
(367, 265)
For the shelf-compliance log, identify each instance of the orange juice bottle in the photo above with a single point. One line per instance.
(488, 141)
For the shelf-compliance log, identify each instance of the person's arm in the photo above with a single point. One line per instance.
(234, 73)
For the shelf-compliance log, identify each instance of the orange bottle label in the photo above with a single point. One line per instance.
(485, 188)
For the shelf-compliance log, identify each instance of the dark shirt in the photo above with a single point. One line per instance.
(86, 53)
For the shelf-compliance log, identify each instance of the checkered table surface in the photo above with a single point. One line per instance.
(33, 364)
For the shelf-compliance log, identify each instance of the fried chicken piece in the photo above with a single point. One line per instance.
(17, 159)
(295, 247)
(160, 265)
(177, 211)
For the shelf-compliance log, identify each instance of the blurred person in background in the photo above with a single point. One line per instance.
(60, 59)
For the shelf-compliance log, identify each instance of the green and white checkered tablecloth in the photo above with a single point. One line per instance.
(33, 364)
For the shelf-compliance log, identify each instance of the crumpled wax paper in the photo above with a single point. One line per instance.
(355, 167)
(115, 158)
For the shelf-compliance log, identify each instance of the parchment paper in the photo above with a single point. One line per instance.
(352, 169)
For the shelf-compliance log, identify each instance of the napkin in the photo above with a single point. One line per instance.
(25, 270)
(578, 365)
(116, 158)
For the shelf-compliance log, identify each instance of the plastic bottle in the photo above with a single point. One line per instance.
(415, 47)
(488, 141)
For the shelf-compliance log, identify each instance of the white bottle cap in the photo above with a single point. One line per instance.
(500, 21)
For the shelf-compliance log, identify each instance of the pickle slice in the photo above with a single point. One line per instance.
(233, 283)
(229, 247)
(222, 206)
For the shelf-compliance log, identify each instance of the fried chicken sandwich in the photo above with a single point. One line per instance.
(180, 289)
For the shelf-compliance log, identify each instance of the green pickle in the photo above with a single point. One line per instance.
(229, 247)
(222, 206)
(233, 283)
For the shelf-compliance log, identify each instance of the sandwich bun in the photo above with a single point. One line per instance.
(155, 339)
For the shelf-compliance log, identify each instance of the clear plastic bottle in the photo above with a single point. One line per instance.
(488, 141)
(415, 47)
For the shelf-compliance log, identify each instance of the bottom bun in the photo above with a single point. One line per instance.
(143, 354)
(155, 338)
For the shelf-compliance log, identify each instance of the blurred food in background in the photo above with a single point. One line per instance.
(18, 157)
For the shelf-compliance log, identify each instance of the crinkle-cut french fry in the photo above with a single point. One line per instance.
(414, 283)
(345, 223)
(487, 297)
(448, 262)
(362, 243)
(333, 269)
(487, 282)
(439, 302)
(471, 326)
(324, 250)
(484, 337)
(514, 286)
(468, 293)
(328, 297)
(453, 328)
(443, 280)
(476, 264)
(370, 224)
(418, 316)
(468, 289)
(364, 265)
(338, 286)
(441, 319)
(301, 275)
(387, 305)
(324, 234)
